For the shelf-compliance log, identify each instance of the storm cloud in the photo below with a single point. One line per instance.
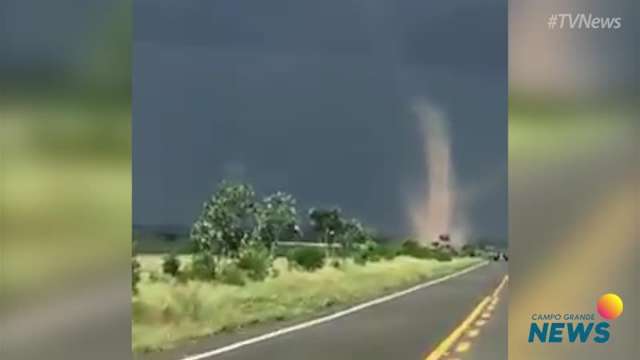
(314, 98)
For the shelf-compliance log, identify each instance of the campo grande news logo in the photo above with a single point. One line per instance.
(556, 328)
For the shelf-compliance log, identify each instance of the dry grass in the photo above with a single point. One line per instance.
(166, 312)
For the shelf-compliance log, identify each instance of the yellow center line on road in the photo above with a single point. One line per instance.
(473, 333)
(497, 291)
(463, 347)
(446, 344)
(457, 333)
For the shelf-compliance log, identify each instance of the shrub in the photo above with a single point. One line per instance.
(360, 258)
(154, 276)
(256, 262)
(442, 256)
(468, 250)
(309, 258)
(386, 252)
(203, 266)
(412, 248)
(171, 265)
(373, 255)
(428, 253)
(372, 252)
(231, 274)
(135, 275)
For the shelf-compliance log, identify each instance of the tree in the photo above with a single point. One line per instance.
(353, 235)
(328, 223)
(277, 220)
(227, 222)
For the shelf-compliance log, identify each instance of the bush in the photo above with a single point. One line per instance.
(363, 257)
(360, 258)
(413, 249)
(231, 274)
(468, 250)
(442, 256)
(203, 266)
(135, 275)
(154, 276)
(373, 255)
(256, 262)
(309, 258)
(171, 265)
(373, 252)
(409, 245)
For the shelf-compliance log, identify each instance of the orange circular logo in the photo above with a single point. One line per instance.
(610, 306)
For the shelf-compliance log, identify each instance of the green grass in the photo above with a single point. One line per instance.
(166, 313)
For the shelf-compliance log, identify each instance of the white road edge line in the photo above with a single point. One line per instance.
(330, 317)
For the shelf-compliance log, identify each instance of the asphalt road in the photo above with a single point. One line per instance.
(486, 339)
(409, 327)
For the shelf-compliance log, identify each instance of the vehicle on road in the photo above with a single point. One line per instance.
(497, 256)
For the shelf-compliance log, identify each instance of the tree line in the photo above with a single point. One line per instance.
(237, 236)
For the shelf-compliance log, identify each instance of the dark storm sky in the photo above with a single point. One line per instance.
(313, 97)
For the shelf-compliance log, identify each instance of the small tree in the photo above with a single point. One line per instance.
(354, 235)
(328, 224)
(276, 220)
(227, 222)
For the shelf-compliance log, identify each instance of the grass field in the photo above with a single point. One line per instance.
(166, 313)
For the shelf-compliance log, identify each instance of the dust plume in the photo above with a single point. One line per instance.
(437, 211)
